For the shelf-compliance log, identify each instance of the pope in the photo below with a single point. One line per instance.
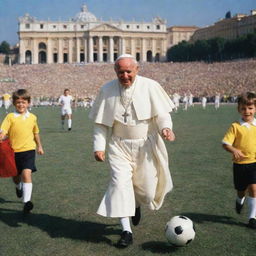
(135, 111)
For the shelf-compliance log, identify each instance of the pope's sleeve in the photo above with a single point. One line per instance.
(164, 121)
(229, 137)
(99, 137)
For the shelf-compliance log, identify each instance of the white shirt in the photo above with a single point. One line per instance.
(65, 101)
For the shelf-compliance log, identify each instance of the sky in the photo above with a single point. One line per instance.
(200, 13)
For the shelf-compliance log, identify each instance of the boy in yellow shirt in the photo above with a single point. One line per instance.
(22, 129)
(240, 141)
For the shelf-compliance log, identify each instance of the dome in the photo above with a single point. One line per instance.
(84, 15)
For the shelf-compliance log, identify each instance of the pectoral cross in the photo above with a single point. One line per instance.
(125, 114)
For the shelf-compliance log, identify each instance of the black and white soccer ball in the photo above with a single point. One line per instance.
(180, 231)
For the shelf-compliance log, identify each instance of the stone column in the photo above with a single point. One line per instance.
(78, 50)
(100, 50)
(111, 49)
(164, 49)
(120, 46)
(22, 54)
(85, 50)
(60, 51)
(70, 50)
(133, 53)
(123, 49)
(90, 49)
(35, 52)
(153, 48)
(143, 50)
(49, 51)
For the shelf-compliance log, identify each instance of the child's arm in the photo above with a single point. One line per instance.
(2, 136)
(237, 153)
(40, 150)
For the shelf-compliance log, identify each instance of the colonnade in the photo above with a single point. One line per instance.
(88, 49)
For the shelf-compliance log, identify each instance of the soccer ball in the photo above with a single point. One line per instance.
(180, 231)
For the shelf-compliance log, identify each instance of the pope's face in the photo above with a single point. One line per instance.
(126, 71)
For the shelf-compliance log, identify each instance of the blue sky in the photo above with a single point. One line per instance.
(176, 12)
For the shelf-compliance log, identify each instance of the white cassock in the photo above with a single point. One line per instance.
(137, 154)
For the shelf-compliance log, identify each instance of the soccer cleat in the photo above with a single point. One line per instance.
(125, 240)
(28, 206)
(252, 223)
(19, 193)
(239, 207)
(137, 217)
(69, 129)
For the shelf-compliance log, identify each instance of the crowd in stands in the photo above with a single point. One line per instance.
(200, 79)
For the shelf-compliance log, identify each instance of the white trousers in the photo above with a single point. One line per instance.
(139, 175)
(66, 111)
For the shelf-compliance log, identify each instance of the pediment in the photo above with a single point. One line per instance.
(106, 27)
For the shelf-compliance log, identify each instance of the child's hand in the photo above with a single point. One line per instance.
(238, 155)
(2, 137)
(40, 150)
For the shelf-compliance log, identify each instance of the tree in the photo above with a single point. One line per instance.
(4, 48)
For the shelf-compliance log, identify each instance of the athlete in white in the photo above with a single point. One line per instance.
(66, 111)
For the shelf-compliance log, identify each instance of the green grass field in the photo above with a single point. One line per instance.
(69, 185)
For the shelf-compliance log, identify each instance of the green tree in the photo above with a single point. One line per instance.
(4, 48)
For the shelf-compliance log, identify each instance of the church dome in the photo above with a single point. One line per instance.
(85, 15)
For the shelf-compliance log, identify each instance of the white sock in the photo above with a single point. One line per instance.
(19, 186)
(125, 222)
(69, 123)
(240, 200)
(252, 207)
(27, 192)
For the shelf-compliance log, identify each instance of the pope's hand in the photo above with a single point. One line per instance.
(99, 156)
(168, 134)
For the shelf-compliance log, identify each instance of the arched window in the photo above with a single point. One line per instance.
(105, 57)
(28, 57)
(157, 58)
(42, 46)
(149, 56)
(138, 56)
(42, 57)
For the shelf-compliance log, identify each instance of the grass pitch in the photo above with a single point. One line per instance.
(69, 185)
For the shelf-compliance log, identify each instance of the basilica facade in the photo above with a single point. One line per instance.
(86, 39)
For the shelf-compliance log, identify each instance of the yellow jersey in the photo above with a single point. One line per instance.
(242, 135)
(20, 128)
(6, 97)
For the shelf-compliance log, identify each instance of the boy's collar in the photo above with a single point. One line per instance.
(26, 115)
(243, 123)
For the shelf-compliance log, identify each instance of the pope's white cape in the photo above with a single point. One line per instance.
(149, 100)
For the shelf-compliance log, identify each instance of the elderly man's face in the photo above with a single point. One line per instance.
(126, 71)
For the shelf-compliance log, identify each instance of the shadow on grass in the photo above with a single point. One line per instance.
(61, 227)
(158, 247)
(201, 217)
(3, 201)
(54, 130)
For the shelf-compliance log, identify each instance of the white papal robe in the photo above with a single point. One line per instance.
(137, 154)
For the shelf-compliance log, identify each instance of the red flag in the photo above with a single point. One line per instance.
(7, 160)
